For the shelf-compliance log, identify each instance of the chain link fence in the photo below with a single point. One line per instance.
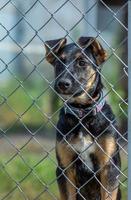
(29, 105)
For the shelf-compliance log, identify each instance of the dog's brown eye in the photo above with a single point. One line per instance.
(82, 63)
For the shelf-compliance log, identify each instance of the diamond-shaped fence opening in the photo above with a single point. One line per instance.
(30, 106)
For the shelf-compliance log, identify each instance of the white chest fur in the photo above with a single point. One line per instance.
(84, 146)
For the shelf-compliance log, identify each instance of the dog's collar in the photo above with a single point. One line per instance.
(81, 112)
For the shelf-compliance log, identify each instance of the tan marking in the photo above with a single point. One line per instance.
(114, 194)
(105, 149)
(50, 58)
(101, 58)
(65, 153)
(111, 196)
(99, 52)
(91, 80)
(62, 195)
(59, 44)
(84, 98)
(71, 183)
(108, 146)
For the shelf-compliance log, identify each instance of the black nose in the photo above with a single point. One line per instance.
(64, 84)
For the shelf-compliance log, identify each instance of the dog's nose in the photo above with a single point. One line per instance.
(64, 84)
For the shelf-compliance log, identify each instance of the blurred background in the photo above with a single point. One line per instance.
(29, 106)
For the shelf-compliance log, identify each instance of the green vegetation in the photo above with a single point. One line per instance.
(39, 180)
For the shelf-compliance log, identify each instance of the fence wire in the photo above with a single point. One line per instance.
(28, 157)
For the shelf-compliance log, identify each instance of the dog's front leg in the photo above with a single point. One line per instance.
(61, 180)
(71, 183)
(108, 172)
(108, 192)
(67, 184)
(67, 180)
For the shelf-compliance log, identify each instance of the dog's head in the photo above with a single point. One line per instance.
(76, 66)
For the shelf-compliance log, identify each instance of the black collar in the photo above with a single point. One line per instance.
(81, 112)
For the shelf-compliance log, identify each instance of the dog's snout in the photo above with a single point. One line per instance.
(64, 84)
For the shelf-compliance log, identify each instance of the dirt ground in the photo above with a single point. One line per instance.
(35, 144)
(16, 142)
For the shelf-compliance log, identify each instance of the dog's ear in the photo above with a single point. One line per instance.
(53, 47)
(98, 52)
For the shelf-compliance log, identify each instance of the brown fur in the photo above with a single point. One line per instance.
(65, 153)
(98, 51)
(92, 75)
(106, 148)
(52, 51)
(71, 183)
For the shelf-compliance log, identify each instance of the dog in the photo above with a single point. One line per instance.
(86, 141)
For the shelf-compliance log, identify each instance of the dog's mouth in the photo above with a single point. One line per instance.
(71, 95)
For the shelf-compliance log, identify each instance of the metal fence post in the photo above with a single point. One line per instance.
(129, 109)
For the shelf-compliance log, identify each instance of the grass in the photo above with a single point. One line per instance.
(41, 180)
(35, 181)
(32, 105)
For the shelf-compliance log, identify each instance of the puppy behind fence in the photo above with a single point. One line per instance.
(86, 142)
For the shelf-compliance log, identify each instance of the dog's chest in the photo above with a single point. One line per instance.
(84, 146)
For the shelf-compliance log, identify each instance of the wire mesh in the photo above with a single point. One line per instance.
(29, 103)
